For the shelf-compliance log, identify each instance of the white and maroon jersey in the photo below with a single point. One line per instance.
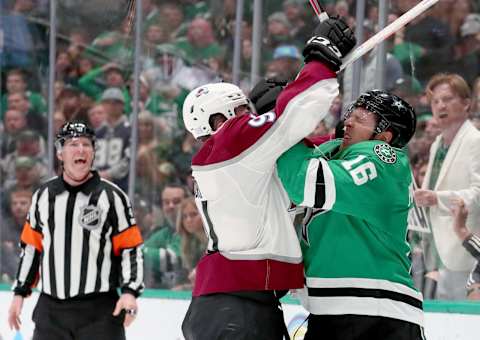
(252, 242)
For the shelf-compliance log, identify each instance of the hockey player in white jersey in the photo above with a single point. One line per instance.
(253, 254)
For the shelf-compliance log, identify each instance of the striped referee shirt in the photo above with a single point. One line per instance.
(80, 240)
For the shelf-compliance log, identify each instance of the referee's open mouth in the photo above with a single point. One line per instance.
(80, 161)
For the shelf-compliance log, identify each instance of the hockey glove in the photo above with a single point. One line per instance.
(264, 94)
(333, 40)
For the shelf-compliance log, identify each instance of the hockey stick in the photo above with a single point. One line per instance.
(319, 10)
(408, 16)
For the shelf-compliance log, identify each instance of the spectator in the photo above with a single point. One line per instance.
(65, 68)
(466, 61)
(22, 39)
(16, 82)
(20, 200)
(84, 65)
(428, 41)
(453, 171)
(113, 140)
(150, 182)
(97, 116)
(195, 9)
(35, 120)
(471, 242)
(278, 33)
(14, 123)
(193, 239)
(457, 15)
(172, 17)
(28, 174)
(163, 268)
(58, 120)
(147, 130)
(300, 19)
(29, 144)
(116, 45)
(223, 20)
(97, 80)
(285, 64)
(393, 70)
(411, 90)
(475, 109)
(170, 72)
(180, 154)
(200, 45)
(78, 40)
(148, 99)
(71, 103)
(151, 14)
(156, 34)
(341, 9)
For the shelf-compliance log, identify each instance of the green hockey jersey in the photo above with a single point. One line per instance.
(354, 231)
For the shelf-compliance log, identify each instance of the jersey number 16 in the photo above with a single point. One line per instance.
(361, 173)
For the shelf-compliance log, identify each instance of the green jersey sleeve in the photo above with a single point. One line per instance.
(368, 180)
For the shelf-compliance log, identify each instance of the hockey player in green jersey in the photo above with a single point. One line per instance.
(357, 191)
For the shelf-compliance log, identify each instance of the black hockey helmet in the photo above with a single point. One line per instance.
(72, 130)
(394, 114)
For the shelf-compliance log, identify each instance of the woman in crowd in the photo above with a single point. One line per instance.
(193, 239)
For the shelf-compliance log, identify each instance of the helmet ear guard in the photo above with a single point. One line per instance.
(208, 100)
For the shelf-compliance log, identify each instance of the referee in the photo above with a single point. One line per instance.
(81, 243)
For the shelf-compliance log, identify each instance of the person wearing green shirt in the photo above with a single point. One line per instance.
(93, 85)
(357, 191)
(161, 251)
(16, 83)
(199, 45)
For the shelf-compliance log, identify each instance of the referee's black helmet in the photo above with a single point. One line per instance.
(72, 130)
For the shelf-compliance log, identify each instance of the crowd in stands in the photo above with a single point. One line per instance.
(185, 44)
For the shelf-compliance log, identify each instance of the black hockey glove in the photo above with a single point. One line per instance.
(333, 40)
(264, 94)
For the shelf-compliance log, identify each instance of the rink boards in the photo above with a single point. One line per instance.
(161, 313)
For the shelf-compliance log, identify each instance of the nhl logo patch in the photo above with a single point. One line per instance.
(386, 153)
(90, 217)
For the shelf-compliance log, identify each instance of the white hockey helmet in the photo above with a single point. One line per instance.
(207, 100)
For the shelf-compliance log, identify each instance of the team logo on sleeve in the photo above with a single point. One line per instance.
(386, 153)
(90, 217)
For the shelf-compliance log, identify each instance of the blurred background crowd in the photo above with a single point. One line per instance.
(184, 44)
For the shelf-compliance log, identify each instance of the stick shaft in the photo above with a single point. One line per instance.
(408, 16)
(319, 10)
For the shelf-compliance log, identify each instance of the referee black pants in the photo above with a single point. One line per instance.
(85, 318)
(235, 316)
(360, 327)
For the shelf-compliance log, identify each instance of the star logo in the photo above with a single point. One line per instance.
(398, 104)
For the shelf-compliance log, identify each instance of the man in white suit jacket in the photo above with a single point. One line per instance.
(453, 172)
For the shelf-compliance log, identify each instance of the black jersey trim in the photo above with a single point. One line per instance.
(213, 235)
(365, 292)
(51, 256)
(320, 188)
(72, 197)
